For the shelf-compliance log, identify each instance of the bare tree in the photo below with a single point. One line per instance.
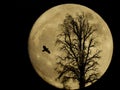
(80, 53)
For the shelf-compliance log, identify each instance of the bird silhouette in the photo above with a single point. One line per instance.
(45, 49)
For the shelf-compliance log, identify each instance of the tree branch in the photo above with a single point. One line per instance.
(67, 69)
(89, 32)
(92, 78)
(96, 55)
(91, 66)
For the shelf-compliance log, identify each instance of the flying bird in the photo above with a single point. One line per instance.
(45, 49)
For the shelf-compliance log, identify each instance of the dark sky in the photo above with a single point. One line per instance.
(27, 11)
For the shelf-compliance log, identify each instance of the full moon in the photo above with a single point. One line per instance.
(41, 43)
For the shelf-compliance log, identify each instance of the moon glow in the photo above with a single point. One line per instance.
(45, 31)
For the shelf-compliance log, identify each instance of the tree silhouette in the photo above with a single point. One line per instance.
(80, 55)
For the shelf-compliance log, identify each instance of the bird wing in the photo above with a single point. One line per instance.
(48, 51)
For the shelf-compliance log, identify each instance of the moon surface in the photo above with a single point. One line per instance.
(45, 31)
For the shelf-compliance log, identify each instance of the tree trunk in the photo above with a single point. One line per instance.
(82, 82)
(82, 77)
